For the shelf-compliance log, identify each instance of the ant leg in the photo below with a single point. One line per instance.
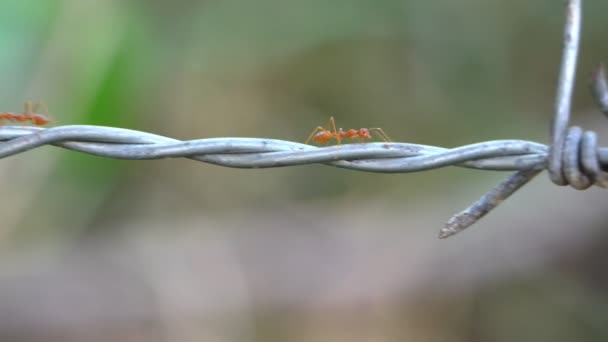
(28, 108)
(314, 131)
(332, 123)
(381, 134)
(40, 119)
(39, 105)
(29, 113)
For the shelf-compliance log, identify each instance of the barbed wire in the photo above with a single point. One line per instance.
(573, 157)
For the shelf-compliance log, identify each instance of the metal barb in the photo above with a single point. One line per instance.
(489, 201)
(565, 86)
(599, 88)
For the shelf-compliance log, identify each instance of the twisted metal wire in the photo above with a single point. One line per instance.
(573, 157)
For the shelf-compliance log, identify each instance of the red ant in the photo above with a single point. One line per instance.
(322, 135)
(28, 115)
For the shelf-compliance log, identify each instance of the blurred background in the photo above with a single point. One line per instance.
(95, 249)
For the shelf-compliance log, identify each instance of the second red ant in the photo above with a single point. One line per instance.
(322, 135)
(28, 115)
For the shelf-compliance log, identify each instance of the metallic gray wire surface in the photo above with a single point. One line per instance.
(573, 157)
(386, 157)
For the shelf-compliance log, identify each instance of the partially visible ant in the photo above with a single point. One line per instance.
(322, 135)
(28, 115)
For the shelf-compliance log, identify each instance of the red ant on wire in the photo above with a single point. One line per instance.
(322, 135)
(28, 115)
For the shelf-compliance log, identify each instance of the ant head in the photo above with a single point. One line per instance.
(364, 133)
